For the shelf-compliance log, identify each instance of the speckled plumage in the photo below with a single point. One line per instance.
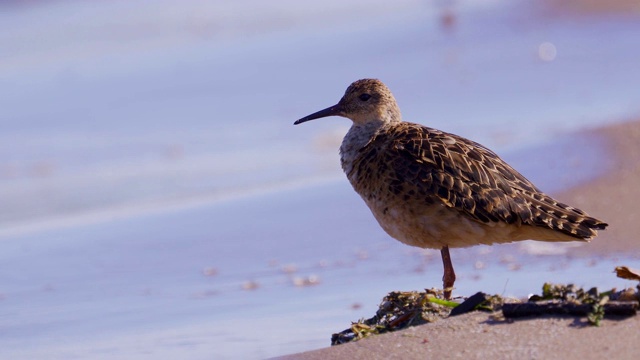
(432, 189)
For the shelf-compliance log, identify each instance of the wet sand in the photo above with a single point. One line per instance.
(614, 197)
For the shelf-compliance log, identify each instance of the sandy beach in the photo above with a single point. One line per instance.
(613, 197)
(477, 336)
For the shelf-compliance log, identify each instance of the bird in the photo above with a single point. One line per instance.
(432, 189)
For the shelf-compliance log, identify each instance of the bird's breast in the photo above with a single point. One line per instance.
(428, 225)
(354, 141)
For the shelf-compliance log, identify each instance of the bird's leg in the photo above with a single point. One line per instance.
(449, 276)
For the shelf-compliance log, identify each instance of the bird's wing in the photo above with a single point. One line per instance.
(467, 176)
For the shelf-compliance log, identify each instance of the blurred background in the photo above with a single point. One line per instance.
(126, 103)
(151, 177)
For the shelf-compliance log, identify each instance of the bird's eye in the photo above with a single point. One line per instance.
(364, 97)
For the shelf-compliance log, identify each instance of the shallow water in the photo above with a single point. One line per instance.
(176, 102)
(249, 278)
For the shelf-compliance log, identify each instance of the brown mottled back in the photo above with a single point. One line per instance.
(430, 166)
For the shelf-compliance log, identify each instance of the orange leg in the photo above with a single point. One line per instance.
(449, 276)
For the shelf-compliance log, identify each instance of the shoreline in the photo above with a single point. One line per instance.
(476, 335)
(613, 197)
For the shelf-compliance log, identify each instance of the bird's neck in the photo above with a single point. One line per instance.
(358, 136)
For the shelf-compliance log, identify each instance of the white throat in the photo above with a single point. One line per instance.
(358, 136)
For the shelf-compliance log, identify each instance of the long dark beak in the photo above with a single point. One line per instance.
(330, 111)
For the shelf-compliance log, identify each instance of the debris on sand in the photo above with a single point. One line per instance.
(572, 300)
(402, 309)
(628, 273)
(399, 310)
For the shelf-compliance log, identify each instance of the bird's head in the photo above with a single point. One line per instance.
(365, 101)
